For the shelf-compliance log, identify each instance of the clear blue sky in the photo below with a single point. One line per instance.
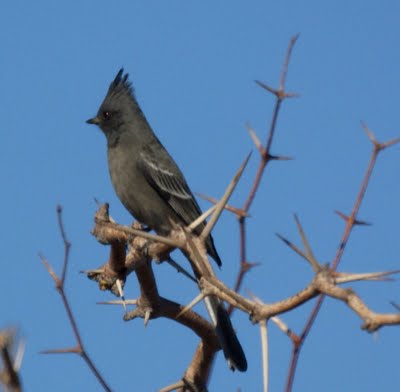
(193, 65)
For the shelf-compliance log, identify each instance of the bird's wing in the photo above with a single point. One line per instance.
(165, 177)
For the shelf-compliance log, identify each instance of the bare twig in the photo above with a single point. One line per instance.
(79, 349)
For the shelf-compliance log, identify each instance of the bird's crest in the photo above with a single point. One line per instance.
(121, 85)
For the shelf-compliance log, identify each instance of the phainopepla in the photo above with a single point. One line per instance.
(153, 189)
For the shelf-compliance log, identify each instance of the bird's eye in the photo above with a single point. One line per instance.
(106, 115)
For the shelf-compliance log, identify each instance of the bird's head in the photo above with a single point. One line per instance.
(117, 105)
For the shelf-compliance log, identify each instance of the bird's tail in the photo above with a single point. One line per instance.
(228, 340)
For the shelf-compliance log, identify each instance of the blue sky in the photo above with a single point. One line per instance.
(193, 65)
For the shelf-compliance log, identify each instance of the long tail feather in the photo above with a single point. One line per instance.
(230, 344)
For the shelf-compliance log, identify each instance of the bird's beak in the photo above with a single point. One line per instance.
(94, 120)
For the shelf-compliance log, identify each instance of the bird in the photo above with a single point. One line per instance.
(153, 189)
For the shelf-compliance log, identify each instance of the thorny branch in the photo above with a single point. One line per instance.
(351, 222)
(265, 158)
(150, 304)
(324, 282)
(132, 249)
(243, 213)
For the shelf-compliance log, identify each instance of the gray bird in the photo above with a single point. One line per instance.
(153, 189)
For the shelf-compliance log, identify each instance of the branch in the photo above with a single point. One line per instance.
(79, 348)
(351, 222)
(265, 158)
(324, 282)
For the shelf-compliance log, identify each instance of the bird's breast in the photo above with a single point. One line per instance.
(135, 193)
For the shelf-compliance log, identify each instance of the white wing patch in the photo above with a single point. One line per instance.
(165, 179)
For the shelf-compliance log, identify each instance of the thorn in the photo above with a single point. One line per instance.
(221, 203)
(292, 246)
(118, 302)
(280, 158)
(342, 215)
(71, 350)
(378, 146)
(180, 269)
(285, 240)
(347, 218)
(285, 67)
(50, 270)
(20, 355)
(264, 350)
(280, 94)
(292, 95)
(268, 88)
(247, 266)
(254, 297)
(391, 142)
(238, 211)
(310, 256)
(147, 317)
(256, 141)
(178, 386)
(201, 218)
(199, 298)
(343, 277)
(280, 324)
(362, 223)
(92, 272)
(369, 133)
(121, 293)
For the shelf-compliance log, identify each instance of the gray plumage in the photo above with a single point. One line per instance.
(153, 189)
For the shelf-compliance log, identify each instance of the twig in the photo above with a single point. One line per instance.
(79, 349)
